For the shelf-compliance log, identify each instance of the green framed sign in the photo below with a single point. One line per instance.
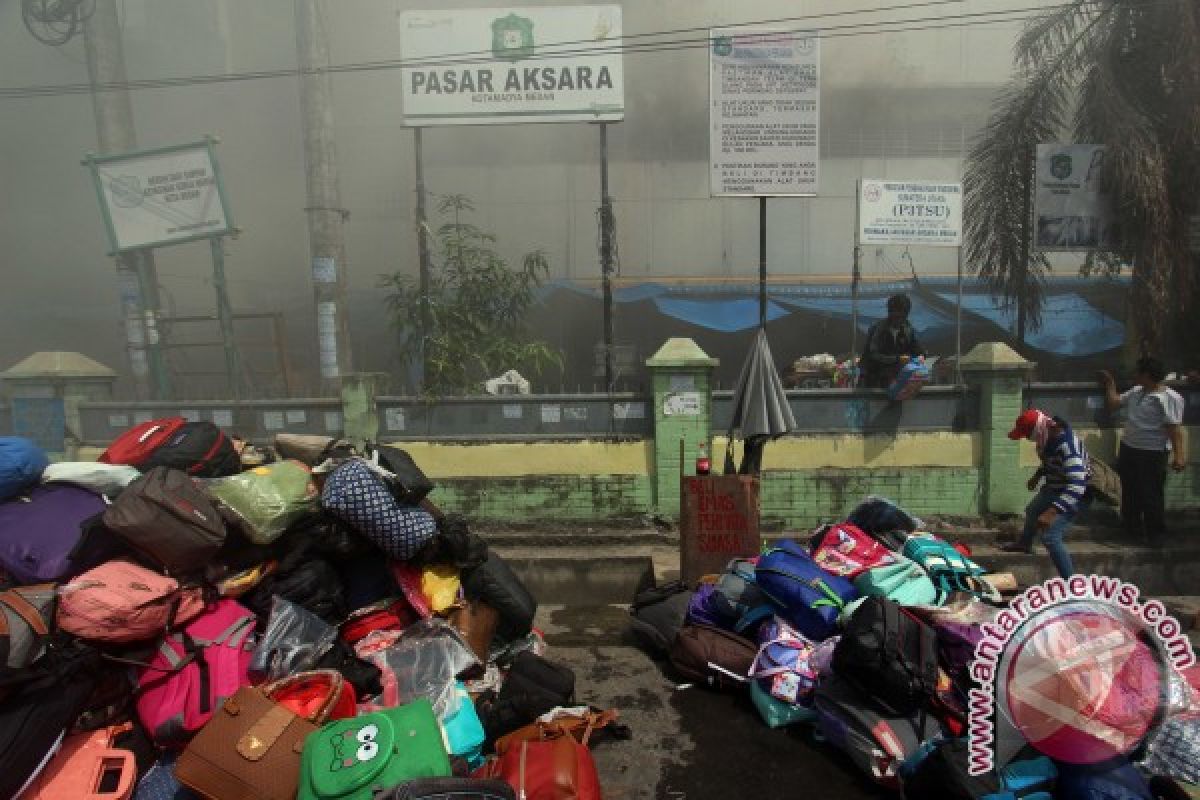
(164, 196)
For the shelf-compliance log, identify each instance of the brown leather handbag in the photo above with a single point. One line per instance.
(249, 750)
(578, 727)
(477, 622)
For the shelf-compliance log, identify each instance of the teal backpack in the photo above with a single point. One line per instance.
(352, 759)
(904, 583)
(949, 569)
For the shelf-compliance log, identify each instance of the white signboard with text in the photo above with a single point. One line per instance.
(764, 100)
(507, 65)
(910, 213)
(1072, 206)
(161, 197)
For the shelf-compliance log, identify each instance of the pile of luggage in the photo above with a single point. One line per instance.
(190, 617)
(867, 632)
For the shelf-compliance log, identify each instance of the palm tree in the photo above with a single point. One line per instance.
(1124, 74)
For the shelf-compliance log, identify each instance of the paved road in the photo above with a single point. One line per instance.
(688, 744)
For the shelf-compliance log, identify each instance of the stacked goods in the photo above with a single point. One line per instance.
(175, 625)
(867, 633)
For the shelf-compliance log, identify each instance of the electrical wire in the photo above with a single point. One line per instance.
(546, 53)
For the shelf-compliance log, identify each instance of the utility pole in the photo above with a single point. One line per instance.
(423, 255)
(326, 216)
(115, 134)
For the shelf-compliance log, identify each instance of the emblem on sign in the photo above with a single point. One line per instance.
(512, 38)
(126, 191)
(722, 45)
(872, 192)
(1060, 166)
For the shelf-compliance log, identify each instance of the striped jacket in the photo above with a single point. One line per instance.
(1065, 467)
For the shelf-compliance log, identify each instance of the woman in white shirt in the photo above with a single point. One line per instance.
(1153, 434)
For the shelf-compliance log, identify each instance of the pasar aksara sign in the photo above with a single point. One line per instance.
(490, 66)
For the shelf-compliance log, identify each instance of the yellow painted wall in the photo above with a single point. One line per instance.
(515, 459)
(856, 451)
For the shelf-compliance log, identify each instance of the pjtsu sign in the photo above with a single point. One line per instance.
(495, 66)
(160, 197)
(910, 212)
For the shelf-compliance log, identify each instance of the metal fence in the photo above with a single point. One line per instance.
(1082, 404)
(518, 417)
(256, 420)
(936, 408)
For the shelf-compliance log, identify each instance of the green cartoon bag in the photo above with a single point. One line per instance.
(351, 759)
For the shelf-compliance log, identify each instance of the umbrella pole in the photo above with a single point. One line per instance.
(762, 262)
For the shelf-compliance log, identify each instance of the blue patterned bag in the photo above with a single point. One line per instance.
(357, 495)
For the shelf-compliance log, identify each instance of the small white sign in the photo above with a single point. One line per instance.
(296, 417)
(333, 422)
(324, 270)
(682, 404)
(394, 419)
(154, 199)
(273, 420)
(629, 411)
(118, 420)
(1095, 402)
(222, 418)
(682, 383)
(190, 415)
(764, 118)
(575, 413)
(551, 413)
(513, 411)
(910, 212)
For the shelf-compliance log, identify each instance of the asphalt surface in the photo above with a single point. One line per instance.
(687, 743)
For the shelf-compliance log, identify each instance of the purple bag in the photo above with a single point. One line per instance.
(783, 666)
(38, 531)
(956, 645)
(704, 609)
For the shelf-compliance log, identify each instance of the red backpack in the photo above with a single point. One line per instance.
(843, 549)
(136, 445)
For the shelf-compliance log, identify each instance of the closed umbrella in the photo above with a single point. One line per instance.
(760, 407)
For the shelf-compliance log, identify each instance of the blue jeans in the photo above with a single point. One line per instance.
(1052, 537)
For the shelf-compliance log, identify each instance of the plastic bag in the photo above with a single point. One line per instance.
(294, 641)
(440, 584)
(464, 731)
(268, 499)
(100, 478)
(423, 661)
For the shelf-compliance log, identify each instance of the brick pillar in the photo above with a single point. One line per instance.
(999, 372)
(682, 382)
(360, 415)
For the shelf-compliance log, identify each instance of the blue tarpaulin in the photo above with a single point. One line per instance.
(1071, 326)
(726, 316)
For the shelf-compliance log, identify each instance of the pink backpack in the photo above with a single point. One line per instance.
(194, 671)
(122, 602)
(843, 549)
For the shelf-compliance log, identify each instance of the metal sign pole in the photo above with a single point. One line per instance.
(423, 256)
(606, 261)
(958, 323)
(856, 271)
(225, 317)
(762, 261)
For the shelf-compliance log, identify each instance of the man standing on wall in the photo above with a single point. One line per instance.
(1064, 493)
(890, 343)
(1153, 434)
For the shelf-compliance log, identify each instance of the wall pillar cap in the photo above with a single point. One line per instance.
(681, 352)
(995, 357)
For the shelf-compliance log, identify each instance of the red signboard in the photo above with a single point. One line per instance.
(718, 521)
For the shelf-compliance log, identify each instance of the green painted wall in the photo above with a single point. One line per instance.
(545, 498)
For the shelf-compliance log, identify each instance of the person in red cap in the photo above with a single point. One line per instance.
(1064, 493)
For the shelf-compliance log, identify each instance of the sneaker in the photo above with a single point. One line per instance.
(1015, 547)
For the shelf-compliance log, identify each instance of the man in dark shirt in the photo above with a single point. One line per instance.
(890, 343)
